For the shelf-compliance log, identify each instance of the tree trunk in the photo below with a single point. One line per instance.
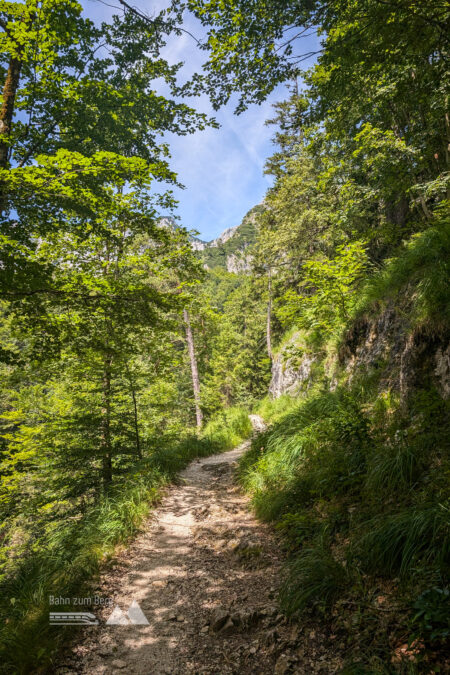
(135, 414)
(269, 317)
(6, 115)
(194, 370)
(425, 209)
(447, 140)
(7, 109)
(105, 424)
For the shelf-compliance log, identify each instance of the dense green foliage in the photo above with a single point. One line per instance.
(423, 271)
(96, 404)
(228, 380)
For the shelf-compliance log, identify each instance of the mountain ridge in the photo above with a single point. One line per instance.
(228, 250)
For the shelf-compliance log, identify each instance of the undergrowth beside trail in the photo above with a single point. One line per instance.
(418, 278)
(356, 479)
(66, 561)
(360, 493)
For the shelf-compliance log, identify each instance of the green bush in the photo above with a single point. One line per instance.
(431, 620)
(420, 274)
(327, 291)
(227, 428)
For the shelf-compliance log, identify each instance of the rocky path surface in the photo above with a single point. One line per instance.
(205, 575)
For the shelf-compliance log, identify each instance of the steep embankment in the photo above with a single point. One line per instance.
(355, 468)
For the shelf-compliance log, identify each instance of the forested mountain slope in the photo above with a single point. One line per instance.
(230, 250)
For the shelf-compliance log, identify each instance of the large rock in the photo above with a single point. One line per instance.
(239, 263)
(219, 619)
(291, 369)
(405, 359)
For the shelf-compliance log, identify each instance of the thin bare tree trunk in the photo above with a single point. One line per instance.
(7, 110)
(269, 317)
(105, 424)
(447, 140)
(136, 418)
(194, 370)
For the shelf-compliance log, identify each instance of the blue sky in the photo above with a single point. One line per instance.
(221, 169)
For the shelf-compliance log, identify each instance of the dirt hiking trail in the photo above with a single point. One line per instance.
(205, 574)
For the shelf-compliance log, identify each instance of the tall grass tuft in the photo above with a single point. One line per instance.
(317, 450)
(272, 409)
(402, 541)
(398, 466)
(228, 428)
(314, 577)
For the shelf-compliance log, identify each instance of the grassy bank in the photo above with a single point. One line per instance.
(68, 561)
(360, 492)
(356, 478)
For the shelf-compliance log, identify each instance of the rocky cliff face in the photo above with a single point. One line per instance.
(223, 238)
(291, 370)
(405, 358)
(230, 249)
(200, 245)
(239, 263)
(402, 359)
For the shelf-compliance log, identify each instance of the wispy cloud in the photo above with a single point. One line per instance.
(222, 169)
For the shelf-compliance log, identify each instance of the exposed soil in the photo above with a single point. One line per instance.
(205, 574)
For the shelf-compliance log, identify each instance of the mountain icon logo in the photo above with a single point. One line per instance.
(133, 616)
